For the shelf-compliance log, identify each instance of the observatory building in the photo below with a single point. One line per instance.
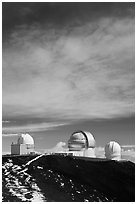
(24, 145)
(113, 151)
(82, 143)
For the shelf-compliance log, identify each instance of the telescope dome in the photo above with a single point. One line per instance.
(81, 140)
(25, 139)
(113, 150)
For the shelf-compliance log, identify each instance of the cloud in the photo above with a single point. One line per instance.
(59, 147)
(9, 134)
(60, 144)
(129, 154)
(5, 121)
(36, 127)
(100, 152)
(84, 71)
(128, 146)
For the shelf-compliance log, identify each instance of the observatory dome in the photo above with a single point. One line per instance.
(81, 140)
(25, 139)
(113, 150)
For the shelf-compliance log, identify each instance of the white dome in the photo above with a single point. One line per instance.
(81, 140)
(113, 150)
(91, 140)
(25, 139)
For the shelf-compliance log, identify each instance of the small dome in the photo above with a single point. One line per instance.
(113, 150)
(25, 139)
(81, 140)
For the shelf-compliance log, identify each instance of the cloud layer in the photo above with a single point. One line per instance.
(59, 147)
(84, 72)
(15, 129)
(58, 71)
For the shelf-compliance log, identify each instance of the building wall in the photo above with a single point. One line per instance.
(23, 149)
(77, 153)
(15, 149)
(90, 152)
(19, 149)
(29, 148)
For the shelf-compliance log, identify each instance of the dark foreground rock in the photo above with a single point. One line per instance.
(65, 178)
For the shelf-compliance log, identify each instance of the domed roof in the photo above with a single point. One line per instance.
(25, 139)
(112, 150)
(81, 139)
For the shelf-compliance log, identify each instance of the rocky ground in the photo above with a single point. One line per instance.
(66, 179)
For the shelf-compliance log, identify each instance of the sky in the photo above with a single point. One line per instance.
(67, 67)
